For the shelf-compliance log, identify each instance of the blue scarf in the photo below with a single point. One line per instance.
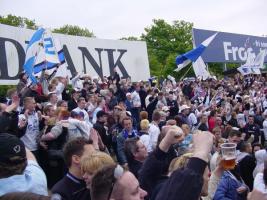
(126, 134)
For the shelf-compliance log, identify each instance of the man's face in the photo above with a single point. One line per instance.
(219, 121)
(141, 152)
(186, 111)
(250, 120)
(128, 125)
(204, 119)
(129, 97)
(130, 188)
(234, 139)
(31, 105)
(76, 95)
(103, 119)
(249, 148)
(53, 98)
(82, 104)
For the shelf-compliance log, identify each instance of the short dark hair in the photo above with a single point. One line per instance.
(125, 119)
(50, 95)
(60, 102)
(80, 99)
(234, 132)
(130, 147)
(242, 146)
(102, 183)
(74, 147)
(156, 116)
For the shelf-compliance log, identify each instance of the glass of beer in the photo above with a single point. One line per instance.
(228, 155)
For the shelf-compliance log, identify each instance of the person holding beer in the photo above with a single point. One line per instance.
(231, 185)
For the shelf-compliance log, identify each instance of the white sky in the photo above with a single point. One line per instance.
(113, 19)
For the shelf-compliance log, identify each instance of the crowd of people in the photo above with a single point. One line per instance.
(114, 139)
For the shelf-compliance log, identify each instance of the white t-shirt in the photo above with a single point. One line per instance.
(145, 139)
(59, 89)
(32, 131)
(153, 132)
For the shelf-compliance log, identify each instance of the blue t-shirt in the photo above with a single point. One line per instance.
(32, 180)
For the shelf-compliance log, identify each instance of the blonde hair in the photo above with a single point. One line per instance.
(144, 124)
(180, 162)
(95, 161)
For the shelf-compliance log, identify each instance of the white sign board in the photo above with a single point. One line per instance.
(97, 57)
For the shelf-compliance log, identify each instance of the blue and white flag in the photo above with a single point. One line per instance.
(31, 52)
(253, 63)
(191, 56)
(51, 54)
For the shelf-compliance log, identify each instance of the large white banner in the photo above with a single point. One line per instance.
(97, 57)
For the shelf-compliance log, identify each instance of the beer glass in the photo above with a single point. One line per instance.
(228, 155)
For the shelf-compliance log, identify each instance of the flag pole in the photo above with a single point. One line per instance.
(186, 72)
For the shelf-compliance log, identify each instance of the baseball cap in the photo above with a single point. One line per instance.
(10, 147)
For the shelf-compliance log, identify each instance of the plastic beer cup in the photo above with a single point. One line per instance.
(228, 155)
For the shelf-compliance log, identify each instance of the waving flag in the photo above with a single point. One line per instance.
(51, 54)
(31, 52)
(191, 56)
(253, 65)
(42, 53)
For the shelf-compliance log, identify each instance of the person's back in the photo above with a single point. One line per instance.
(19, 171)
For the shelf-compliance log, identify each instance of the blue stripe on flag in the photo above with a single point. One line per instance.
(36, 37)
(191, 55)
(28, 69)
(48, 65)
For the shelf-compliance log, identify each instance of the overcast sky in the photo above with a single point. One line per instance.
(113, 19)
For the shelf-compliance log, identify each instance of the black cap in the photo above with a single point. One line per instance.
(10, 147)
(101, 113)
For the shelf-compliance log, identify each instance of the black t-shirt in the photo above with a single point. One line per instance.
(71, 188)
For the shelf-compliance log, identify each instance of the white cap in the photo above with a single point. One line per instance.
(127, 94)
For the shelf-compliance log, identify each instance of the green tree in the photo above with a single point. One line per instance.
(164, 42)
(18, 21)
(74, 30)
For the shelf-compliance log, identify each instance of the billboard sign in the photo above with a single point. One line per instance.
(229, 47)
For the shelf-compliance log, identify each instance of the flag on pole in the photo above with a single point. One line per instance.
(191, 56)
(51, 54)
(31, 52)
